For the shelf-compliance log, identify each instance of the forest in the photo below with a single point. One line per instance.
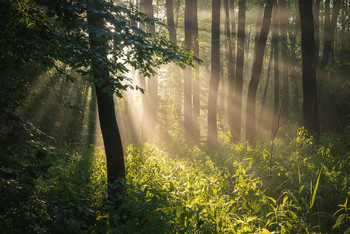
(174, 116)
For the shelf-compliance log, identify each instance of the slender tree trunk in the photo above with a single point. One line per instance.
(256, 72)
(343, 30)
(172, 68)
(188, 77)
(237, 120)
(284, 24)
(170, 20)
(231, 64)
(196, 84)
(215, 75)
(310, 114)
(317, 32)
(266, 87)
(177, 10)
(294, 74)
(177, 87)
(109, 127)
(329, 36)
(275, 39)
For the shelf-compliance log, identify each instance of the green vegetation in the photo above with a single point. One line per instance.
(85, 87)
(226, 191)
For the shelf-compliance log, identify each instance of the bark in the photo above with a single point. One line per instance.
(231, 64)
(237, 118)
(215, 75)
(196, 84)
(170, 20)
(256, 72)
(330, 28)
(275, 39)
(109, 127)
(343, 31)
(177, 10)
(310, 114)
(284, 24)
(188, 77)
(317, 32)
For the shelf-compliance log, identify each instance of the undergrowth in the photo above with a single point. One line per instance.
(299, 187)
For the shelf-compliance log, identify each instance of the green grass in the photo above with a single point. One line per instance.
(229, 190)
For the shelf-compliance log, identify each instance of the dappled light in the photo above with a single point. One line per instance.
(215, 117)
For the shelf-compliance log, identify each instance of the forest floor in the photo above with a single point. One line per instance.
(299, 187)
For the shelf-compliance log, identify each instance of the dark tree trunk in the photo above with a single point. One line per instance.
(310, 114)
(284, 24)
(170, 20)
(188, 77)
(237, 117)
(317, 32)
(215, 75)
(330, 28)
(274, 41)
(109, 127)
(256, 72)
(196, 86)
(231, 63)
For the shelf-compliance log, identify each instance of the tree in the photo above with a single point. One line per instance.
(196, 84)
(236, 133)
(310, 112)
(274, 41)
(284, 23)
(188, 77)
(101, 53)
(215, 74)
(256, 71)
(329, 32)
(317, 32)
(170, 20)
(231, 62)
(109, 127)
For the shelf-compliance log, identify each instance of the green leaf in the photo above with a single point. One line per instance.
(339, 220)
(315, 189)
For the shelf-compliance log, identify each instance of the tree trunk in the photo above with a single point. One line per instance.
(196, 84)
(274, 41)
(188, 77)
(215, 75)
(330, 28)
(284, 24)
(231, 64)
(237, 117)
(310, 114)
(256, 72)
(170, 20)
(109, 127)
(317, 32)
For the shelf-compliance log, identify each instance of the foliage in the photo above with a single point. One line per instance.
(226, 191)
